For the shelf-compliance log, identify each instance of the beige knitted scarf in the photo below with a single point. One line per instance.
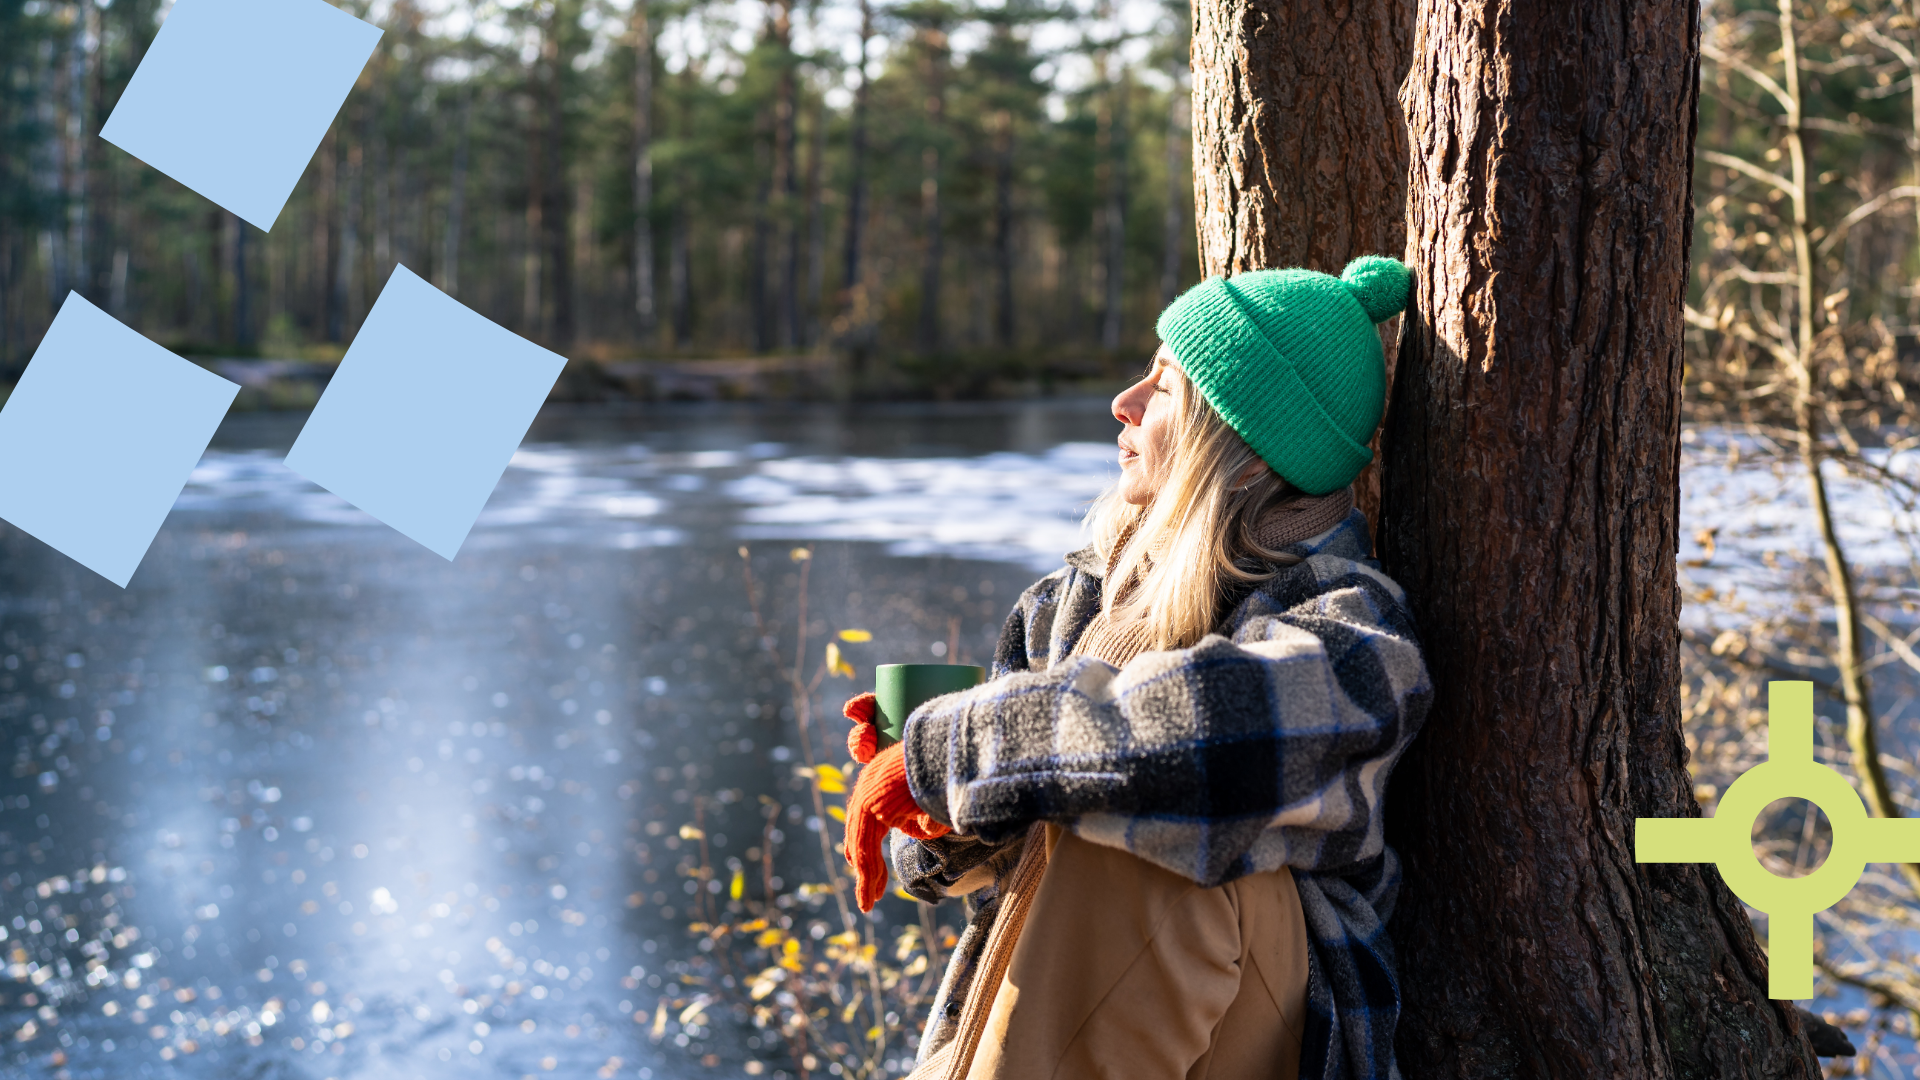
(1289, 522)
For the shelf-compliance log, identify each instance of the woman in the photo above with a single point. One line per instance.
(1164, 807)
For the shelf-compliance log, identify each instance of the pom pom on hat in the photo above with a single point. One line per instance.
(1380, 284)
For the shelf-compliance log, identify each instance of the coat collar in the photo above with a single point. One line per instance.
(1348, 540)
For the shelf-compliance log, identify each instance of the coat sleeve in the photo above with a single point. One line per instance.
(1270, 747)
(928, 869)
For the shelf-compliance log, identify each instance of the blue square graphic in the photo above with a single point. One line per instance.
(424, 413)
(233, 96)
(100, 435)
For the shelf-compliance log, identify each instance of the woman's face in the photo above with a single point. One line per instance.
(1146, 442)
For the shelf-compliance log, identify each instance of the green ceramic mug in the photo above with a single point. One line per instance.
(902, 688)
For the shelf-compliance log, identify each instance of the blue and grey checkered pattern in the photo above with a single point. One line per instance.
(1267, 744)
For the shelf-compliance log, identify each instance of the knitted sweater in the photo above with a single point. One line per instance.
(1267, 744)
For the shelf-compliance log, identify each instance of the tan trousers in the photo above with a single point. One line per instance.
(1126, 971)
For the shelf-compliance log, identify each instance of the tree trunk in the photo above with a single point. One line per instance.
(680, 277)
(932, 229)
(1299, 153)
(809, 321)
(1115, 257)
(642, 171)
(857, 162)
(1531, 512)
(99, 195)
(80, 270)
(326, 245)
(1003, 254)
(346, 281)
(1299, 149)
(457, 202)
(556, 211)
(679, 252)
(7, 371)
(1173, 223)
(219, 314)
(757, 300)
(242, 287)
(780, 30)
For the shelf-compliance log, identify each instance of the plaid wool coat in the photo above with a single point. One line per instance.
(1267, 744)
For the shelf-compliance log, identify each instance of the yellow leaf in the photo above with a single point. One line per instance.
(659, 1022)
(856, 635)
(770, 937)
(902, 894)
(800, 554)
(688, 832)
(738, 886)
(750, 927)
(693, 1013)
(873, 1034)
(836, 665)
(837, 814)
(830, 774)
(845, 939)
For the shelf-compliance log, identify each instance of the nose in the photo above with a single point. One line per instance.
(1129, 405)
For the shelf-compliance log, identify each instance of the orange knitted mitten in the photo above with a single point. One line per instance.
(880, 801)
(864, 739)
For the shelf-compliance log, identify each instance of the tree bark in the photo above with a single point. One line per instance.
(556, 212)
(1299, 149)
(857, 165)
(326, 245)
(1531, 512)
(1003, 253)
(1299, 153)
(1113, 302)
(242, 287)
(809, 318)
(1173, 223)
(934, 41)
(643, 311)
(457, 201)
(782, 184)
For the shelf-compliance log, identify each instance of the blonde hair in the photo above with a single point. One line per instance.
(1183, 553)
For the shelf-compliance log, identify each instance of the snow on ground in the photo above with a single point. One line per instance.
(1756, 501)
(1023, 508)
(1027, 507)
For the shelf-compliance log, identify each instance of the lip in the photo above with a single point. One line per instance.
(1128, 453)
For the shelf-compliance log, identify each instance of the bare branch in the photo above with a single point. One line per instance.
(1900, 646)
(1866, 210)
(1892, 45)
(1748, 168)
(1760, 78)
(1744, 332)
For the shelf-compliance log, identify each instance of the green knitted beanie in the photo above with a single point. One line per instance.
(1290, 360)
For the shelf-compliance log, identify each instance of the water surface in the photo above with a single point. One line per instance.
(306, 800)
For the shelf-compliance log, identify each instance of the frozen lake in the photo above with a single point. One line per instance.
(306, 800)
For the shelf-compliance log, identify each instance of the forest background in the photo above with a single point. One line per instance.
(997, 194)
(937, 198)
